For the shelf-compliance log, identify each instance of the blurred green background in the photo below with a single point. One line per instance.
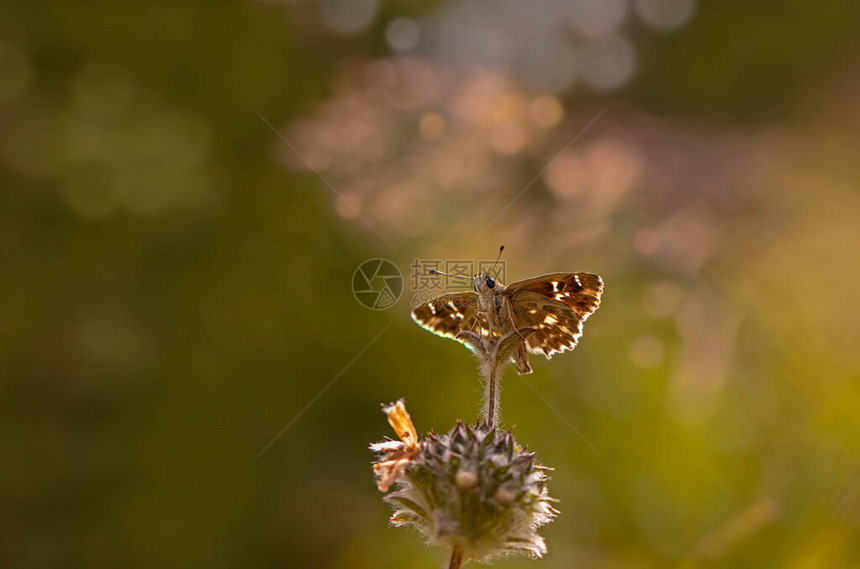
(175, 285)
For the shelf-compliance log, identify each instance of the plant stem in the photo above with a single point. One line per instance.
(456, 558)
(491, 412)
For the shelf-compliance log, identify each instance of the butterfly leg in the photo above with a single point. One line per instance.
(485, 314)
(514, 326)
(521, 356)
(522, 359)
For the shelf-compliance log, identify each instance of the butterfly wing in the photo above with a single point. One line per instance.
(449, 314)
(555, 305)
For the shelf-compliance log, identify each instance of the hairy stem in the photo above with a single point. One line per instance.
(456, 558)
(491, 395)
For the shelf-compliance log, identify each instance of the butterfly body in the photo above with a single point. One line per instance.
(491, 303)
(553, 306)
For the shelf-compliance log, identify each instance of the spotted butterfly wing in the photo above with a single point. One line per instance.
(555, 305)
(449, 314)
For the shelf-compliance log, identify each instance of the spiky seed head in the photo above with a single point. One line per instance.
(475, 488)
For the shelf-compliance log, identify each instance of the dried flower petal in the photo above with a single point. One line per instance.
(396, 455)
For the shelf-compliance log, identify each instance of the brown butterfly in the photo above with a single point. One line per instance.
(553, 305)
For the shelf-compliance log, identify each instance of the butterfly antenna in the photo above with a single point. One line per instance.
(502, 248)
(435, 272)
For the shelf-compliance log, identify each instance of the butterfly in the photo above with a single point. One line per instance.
(554, 306)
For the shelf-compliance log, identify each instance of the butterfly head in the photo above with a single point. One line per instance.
(485, 284)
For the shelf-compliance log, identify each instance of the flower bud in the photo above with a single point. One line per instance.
(473, 488)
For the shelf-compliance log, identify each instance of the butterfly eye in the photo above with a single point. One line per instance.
(490, 282)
